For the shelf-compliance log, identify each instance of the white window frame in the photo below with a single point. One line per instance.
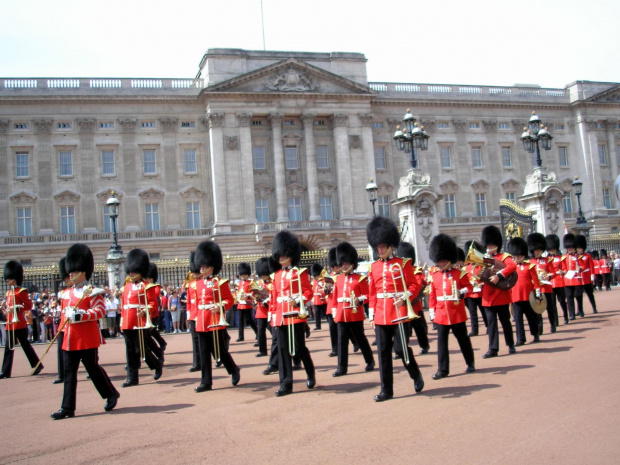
(512, 196)
(24, 221)
(322, 157)
(380, 159)
(450, 205)
(148, 163)
(20, 166)
(607, 198)
(477, 149)
(383, 205)
(291, 163)
(567, 202)
(65, 166)
(190, 163)
(107, 219)
(259, 158)
(602, 155)
(481, 204)
(192, 215)
(563, 157)
(67, 219)
(151, 216)
(106, 164)
(506, 156)
(445, 154)
(295, 212)
(262, 210)
(326, 208)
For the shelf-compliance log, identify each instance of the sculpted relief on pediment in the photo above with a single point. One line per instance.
(291, 80)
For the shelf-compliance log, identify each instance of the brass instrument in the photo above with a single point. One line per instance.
(301, 313)
(216, 339)
(489, 267)
(10, 343)
(396, 268)
(352, 302)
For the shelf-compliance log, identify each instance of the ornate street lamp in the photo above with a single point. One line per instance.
(577, 184)
(113, 204)
(410, 138)
(371, 189)
(533, 134)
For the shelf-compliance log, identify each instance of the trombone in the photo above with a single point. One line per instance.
(148, 323)
(10, 342)
(397, 270)
(216, 339)
(301, 313)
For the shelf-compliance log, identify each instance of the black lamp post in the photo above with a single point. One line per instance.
(533, 134)
(411, 138)
(371, 189)
(577, 186)
(113, 204)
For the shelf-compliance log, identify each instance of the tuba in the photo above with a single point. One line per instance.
(489, 266)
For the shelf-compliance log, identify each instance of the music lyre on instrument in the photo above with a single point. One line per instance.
(221, 323)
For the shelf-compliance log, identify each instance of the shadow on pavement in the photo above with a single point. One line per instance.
(454, 391)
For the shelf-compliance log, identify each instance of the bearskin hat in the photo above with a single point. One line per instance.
(345, 252)
(262, 267)
(443, 247)
(603, 253)
(137, 261)
(536, 241)
(517, 246)
(332, 259)
(382, 230)
(553, 242)
(491, 235)
(316, 269)
(460, 255)
(244, 268)
(477, 246)
(286, 244)
(14, 270)
(406, 250)
(153, 272)
(192, 265)
(570, 241)
(581, 242)
(62, 269)
(594, 254)
(80, 258)
(208, 254)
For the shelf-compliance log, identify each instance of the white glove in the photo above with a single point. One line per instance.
(431, 313)
(268, 317)
(538, 296)
(70, 314)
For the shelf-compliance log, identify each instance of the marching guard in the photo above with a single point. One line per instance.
(83, 305)
(62, 295)
(262, 299)
(587, 264)
(190, 283)
(244, 300)
(446, 306)
(557, 281)
(334, 271)
(17, 304)
(391, 285)
(573, 279)
(473, 300)
(156, 342)
(545, 270)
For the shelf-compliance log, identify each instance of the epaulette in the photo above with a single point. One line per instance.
(532, 265)
(193, 284)
(302, 270)
(418, 270)
(222, 281)
(150, 285)
(20, 290)
(505, 255)
(405, 260)
(463, 273)
(362, 277)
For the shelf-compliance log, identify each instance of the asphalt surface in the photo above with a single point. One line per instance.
(552, 402)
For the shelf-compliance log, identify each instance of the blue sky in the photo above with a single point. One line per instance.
(545, 42)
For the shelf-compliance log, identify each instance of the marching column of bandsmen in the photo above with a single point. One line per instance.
(531, 277)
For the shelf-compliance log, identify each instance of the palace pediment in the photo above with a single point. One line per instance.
(611, 95)
(290, 76)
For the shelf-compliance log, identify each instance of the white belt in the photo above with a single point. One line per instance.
(285, 299)
(207, 306)
(447, 298)
(242, 302)
(136, 306)
(388, 295)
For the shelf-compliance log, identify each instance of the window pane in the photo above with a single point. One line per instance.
(262, 210)
(511, 196)
(506, 157)
(568, 203)
(189, 156)
(446, 159)
(193, 215)
(322, 162)
(294, 209)
(383, 202)
(380, 158)
(65, 164)
(67, 220)
(291, 158)
(107, 219)
(149, 161)
(21, 163)
(24, 221)
(152, 216)
(450, 202)
(606, 198)
(602, 154)
(562, 152)
(107, 162)
(476, 157)
(481, 205)
(326, 208)
(258, 155)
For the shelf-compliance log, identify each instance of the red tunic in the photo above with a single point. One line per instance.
(210, 292)
(605, 266)
(420, 278)
(558, 277)
(386, 284)
(572, 268)
(157, 290)
(475, 285)
(494, 296)
(136, 296)
(587, 266)
(528, 280)
(544, 267)
(597, 267)
(18, 297)
(445, 298)
(318, 291)
(286, 285)
(348, 285)
(243, 295)
(83, 334)
(262, 307)
(191, 300)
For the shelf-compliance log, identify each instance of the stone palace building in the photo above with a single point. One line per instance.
(260, 141)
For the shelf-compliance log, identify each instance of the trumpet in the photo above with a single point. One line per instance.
(221, 323)
(10, 343)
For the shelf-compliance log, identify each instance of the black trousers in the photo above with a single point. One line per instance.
(420, 328)
(319, 313)
(574, 293)
(589, 290)
(99, 377)
(388, 338)
(156, 335)
(345, 330)
(285, 359)
(473, 304)
(61, 357)
(243, 317)
(607, 280)
(262, 326)
(560, 296)
(443, 354)
(14, 336)
(522, 308)
(503, 313)
(132, 352)
(552, 309)
(333, 333)
(208, 342)
(195, 344)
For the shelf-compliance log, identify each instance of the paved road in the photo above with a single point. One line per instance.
(553, 402)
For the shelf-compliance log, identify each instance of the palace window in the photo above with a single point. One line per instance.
(325, 204)
(476, 157)
(290, 154)
(148, 124)
(322, 160)
(63, 125)
(107, 219)
(376, 125)
(107, 162)
(188, 124)
(258, 157)
(380, 157)
(148, 161)
(474, 125)
(511, 196)
(443, 125)
(64, 163)
(189, 157)
(294, 209)
(506, 157)
(67, 220)
(24, 221)
(602, 155)
(450, 202)
(606, 199)
(21, 126)
(446, 157)
(563, 157)
(193, 215)
(383, 205)
(568, 203)
(22, 169)
(106, 125)
(152, 216)
(503, 126)
(481, 204)
(262, 210)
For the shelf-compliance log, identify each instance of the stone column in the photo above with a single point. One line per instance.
(493, 160)
(5, 153)
(313, 177)
(368, 149)
(43, 155)
(130, 161)
(591, 198)
(343, 165)
(86, 154)
(247, 167)
(218, 172)
(173, 211)
(610, 125)
(279, 168)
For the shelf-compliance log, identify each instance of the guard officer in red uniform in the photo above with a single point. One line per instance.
(587, 264)
(213, 299)
(262, 299)
(473, 300)
(319, 299)
(573, 280)
(350, 293)
(64, 294)
(449, 285)
(391, 283)
(192, 308)
(156, 342)
(334, 271)
(557, 280)
(17, 304)
(495, 301)
(545, 270)
(244, 300)
(83, 306)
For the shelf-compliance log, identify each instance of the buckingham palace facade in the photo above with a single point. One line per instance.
(261, 141)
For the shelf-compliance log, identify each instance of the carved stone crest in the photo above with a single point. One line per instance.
(232, 142)
(355, 142)
(127, 125)
(424, 217)
(168, 124)
(4, 124)
(86, 125)
(552, 209)
(291, 80)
